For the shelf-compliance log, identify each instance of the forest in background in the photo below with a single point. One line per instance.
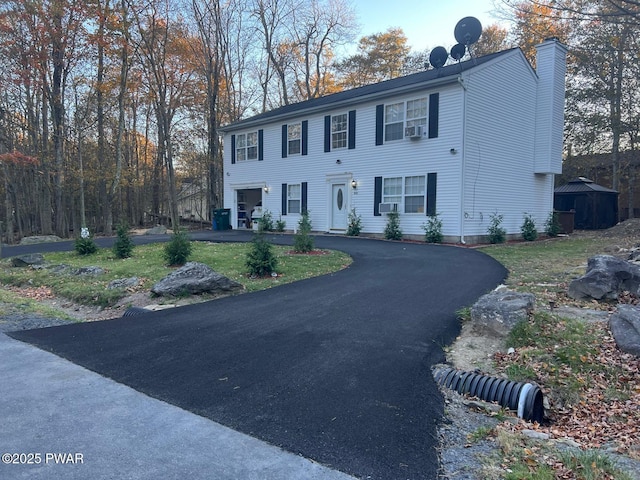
(109, 107)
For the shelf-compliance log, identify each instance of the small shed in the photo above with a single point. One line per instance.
(595, 206)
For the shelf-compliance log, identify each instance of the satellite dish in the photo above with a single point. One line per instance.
(468, 30)
(458, 51)
(438, 57)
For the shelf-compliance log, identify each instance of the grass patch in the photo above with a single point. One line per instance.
(148, 264)
(522, 458)
(12, 303)
(533, 267)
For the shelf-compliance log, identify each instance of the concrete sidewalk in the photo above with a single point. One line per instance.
(51, 406)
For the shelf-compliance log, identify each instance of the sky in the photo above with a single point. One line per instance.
(426, 23)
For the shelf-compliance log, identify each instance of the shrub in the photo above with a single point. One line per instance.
(280, 225)
(497, 234)
(433, 229)
(528, 228)
(124, 245)
(392, 230)
(84, 243)
(552, 226)
(260, 259)
(178, 250)
(355, 224)
(302, 241)
(265, 223)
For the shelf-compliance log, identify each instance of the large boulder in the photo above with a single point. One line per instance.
(500, 310)
(28, 260)
(606, 277)
(194, 278)
(625, 327)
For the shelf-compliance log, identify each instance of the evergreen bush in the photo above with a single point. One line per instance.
(433, 229)
(261, 260)
(84, 244)
(280, 225)
(302, 240)
(355, 223)
(123, 247)
(178, 250)
(497, 234)
(392, 230)
(528, 228)
(552, 226)
(265, 223)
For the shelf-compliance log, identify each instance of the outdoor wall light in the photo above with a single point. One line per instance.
(453, 151)
(266, 189)
(338, 162)
(354, 184)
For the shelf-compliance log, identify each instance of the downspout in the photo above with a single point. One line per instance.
(463, 154)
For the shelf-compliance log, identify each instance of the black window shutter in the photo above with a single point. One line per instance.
(285, 143)
(284, 199)
(233, 149)
(303, 208)
(352, 129)
(434, 108)
(377, 196)
(260, 144)
(432, 181)
(327, 133)
(379, 124)
(305, 134)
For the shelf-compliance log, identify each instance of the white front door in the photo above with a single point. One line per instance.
(339, 206)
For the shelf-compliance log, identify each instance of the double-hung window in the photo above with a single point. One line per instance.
(294, 198)
(247, 146)
(394, 121)
(417, 113)
(339, 126)
(294, 138)
(414, 194)
(407, 192)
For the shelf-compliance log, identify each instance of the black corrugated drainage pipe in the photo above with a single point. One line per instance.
(525, 398)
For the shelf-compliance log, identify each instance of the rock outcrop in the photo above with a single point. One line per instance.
(195, 278)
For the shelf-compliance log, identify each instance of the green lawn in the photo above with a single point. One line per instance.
(147, 264)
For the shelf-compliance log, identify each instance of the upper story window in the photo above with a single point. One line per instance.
(417, 112)
(340, 131)
(392, 119)
(339, 126)
(247, 146)
(294, 138)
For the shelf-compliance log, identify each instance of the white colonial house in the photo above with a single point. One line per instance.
(465, 141)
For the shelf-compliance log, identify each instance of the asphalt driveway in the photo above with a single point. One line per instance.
(335, 368)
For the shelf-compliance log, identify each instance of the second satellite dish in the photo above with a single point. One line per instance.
(468, 31)
(438, 57)
(458, 51)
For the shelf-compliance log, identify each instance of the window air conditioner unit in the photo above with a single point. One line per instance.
(413, 132)
(388, 207)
